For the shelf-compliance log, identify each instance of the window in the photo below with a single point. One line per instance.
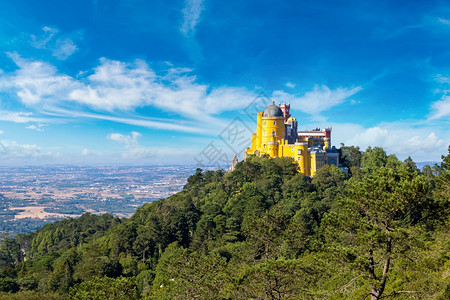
(299, 151)
(299, 158)
(292, 149)
(274, 122)
(265, 123)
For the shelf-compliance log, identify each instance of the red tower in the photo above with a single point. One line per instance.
(327, 132)
(285, 108)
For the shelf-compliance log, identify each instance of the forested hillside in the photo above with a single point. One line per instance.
(263, 231)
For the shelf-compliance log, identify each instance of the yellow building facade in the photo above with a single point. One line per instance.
(277, 136)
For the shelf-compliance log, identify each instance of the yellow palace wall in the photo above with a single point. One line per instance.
(274, 145)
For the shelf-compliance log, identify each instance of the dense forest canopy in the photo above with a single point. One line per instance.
(262, 231)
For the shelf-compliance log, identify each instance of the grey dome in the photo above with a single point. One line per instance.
(273, 111)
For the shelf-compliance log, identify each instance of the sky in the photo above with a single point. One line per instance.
(138, 82)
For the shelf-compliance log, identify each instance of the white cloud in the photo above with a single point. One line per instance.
(154, 123)
(39, 127)
(120, 86)
(116, 85)
(320, 99)
(128, 140)
(132, 148)
(441, 108)
(1, 131)
(290, 85)
(226, 99)
(19, 117)
(13, 150)
(61, 48)
(191, 16)
(47, 35)
(442, 78)
(64, 48)
(428, 143)
(374, 136)
(32, 127)
(401, 138)
(36, 82)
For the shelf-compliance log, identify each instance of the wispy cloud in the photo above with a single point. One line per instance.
(290, 85)
(36, 81)
(39, 127)
(60, 47)
(392, 29)
(320, 99)
(443, 21)
(115, 86)
(191, 16)
(20, 117)
(441, 108)
(114, 90)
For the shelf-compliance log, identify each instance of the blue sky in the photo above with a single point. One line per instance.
(162, 82)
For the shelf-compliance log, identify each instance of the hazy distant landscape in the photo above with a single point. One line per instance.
(33, 196)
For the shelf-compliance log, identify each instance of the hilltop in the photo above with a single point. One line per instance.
(262, 231)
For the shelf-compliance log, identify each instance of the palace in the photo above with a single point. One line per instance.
(277, 136)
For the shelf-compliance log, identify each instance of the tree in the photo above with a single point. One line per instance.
(62, 278)
(411, 165)
(9, 251)
(8, 285)
(375, 222)
(427, 171)
(105, 288)
(441, 194)
(392, 162)
(180, 275)
(275, 279)
(445, 164)
(373, 159)
(328, 176)
(265, 234)
(194, 179)
(350, 157)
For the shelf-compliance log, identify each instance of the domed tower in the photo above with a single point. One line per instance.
(272, 129)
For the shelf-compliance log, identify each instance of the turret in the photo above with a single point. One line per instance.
(272, 125)
(285, 109)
